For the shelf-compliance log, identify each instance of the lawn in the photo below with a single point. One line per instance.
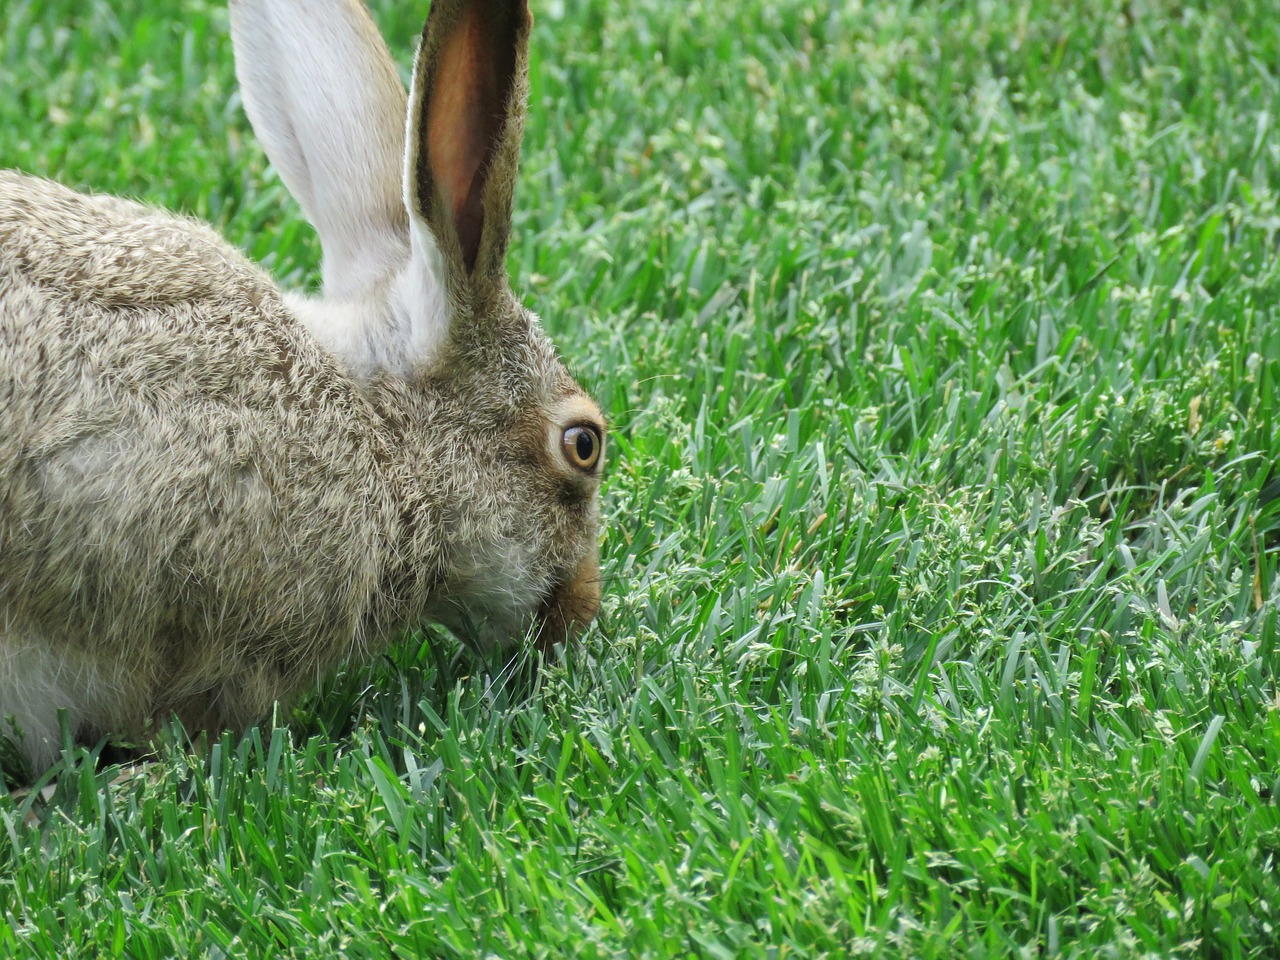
(941, 345)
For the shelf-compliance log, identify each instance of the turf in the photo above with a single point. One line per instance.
(942, 351)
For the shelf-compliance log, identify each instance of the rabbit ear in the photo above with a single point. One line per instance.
(325, 101)
(466, 121)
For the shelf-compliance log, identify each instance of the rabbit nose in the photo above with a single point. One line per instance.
(570, 605)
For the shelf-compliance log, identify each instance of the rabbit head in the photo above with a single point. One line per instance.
(498, 450)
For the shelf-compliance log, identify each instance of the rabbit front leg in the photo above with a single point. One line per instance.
(37, 677)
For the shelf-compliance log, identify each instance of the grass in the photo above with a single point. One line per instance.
(942, 345)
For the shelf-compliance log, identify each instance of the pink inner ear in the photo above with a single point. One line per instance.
(464, 118)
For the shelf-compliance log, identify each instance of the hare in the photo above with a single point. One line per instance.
(212, 492)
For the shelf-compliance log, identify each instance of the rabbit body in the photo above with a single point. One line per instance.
(208, 499)
(197, 505)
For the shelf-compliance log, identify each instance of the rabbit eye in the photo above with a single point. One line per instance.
(581, 447)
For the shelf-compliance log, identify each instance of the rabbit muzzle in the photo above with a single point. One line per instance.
(570, 606)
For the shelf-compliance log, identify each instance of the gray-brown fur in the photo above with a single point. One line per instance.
(203, 509)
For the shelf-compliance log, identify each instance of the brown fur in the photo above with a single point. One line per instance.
(203, 511)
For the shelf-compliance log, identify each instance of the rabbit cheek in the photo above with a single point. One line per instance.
(570, 606)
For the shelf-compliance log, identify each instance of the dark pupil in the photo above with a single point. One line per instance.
(585, 445)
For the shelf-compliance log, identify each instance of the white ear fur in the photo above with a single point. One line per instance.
(325, 101)
(324, 98)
